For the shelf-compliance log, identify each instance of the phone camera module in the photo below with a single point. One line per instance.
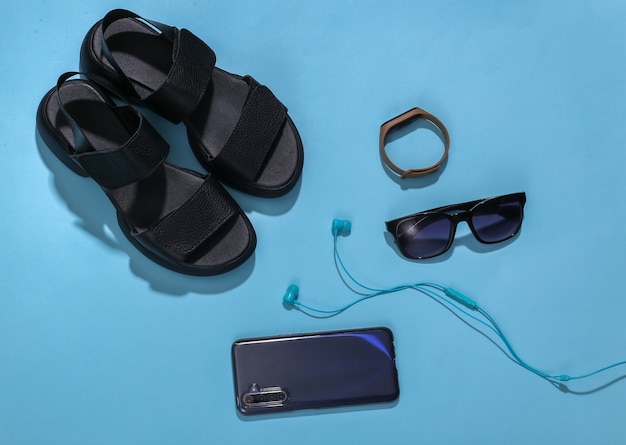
(270, 396)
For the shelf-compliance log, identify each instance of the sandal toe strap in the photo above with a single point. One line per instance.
(187, 79)
(251, 141)
(195, 222)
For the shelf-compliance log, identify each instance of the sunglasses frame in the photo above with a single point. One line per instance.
(458, 213)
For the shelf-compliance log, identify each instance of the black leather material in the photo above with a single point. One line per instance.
(180, 219)
(173, 72)
(192, 62)
(187, 80)
(261, 120)
(132, 162)
(179, 233)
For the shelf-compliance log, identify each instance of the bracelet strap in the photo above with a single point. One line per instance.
(404, 119)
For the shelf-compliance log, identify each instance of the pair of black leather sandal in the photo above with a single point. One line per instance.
(238, 130)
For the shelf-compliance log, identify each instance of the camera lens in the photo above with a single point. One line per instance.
(248, 399)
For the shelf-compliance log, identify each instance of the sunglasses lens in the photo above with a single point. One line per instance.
(497, 222)
(424, 236)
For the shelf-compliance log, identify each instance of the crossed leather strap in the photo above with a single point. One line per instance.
(404, 119)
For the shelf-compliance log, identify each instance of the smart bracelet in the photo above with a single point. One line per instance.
(404, 119)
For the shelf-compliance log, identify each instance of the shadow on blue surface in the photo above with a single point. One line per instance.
(564, 388)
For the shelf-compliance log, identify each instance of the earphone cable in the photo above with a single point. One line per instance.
(430, 289)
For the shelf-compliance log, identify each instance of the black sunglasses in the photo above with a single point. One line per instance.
(430, 233)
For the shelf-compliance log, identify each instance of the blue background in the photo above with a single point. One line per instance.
(100, 346)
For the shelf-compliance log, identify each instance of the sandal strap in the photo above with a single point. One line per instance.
(187, 80)
(179, 233)
(261, 120)
(131, 162)
(189, 76)
(81, 144)
(111, 168)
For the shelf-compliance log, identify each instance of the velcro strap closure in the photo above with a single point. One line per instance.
(185, 229)
(187, 80)
(253, 137)
(131, 162)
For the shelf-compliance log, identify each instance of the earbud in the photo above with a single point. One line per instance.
(291, 295)
(341, 227)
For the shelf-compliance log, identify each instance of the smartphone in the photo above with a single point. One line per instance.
(315, 370)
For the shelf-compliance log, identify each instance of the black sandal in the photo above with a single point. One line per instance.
(236, 127)
(178, 218)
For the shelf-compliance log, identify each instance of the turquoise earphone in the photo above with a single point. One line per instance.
(451, 298)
